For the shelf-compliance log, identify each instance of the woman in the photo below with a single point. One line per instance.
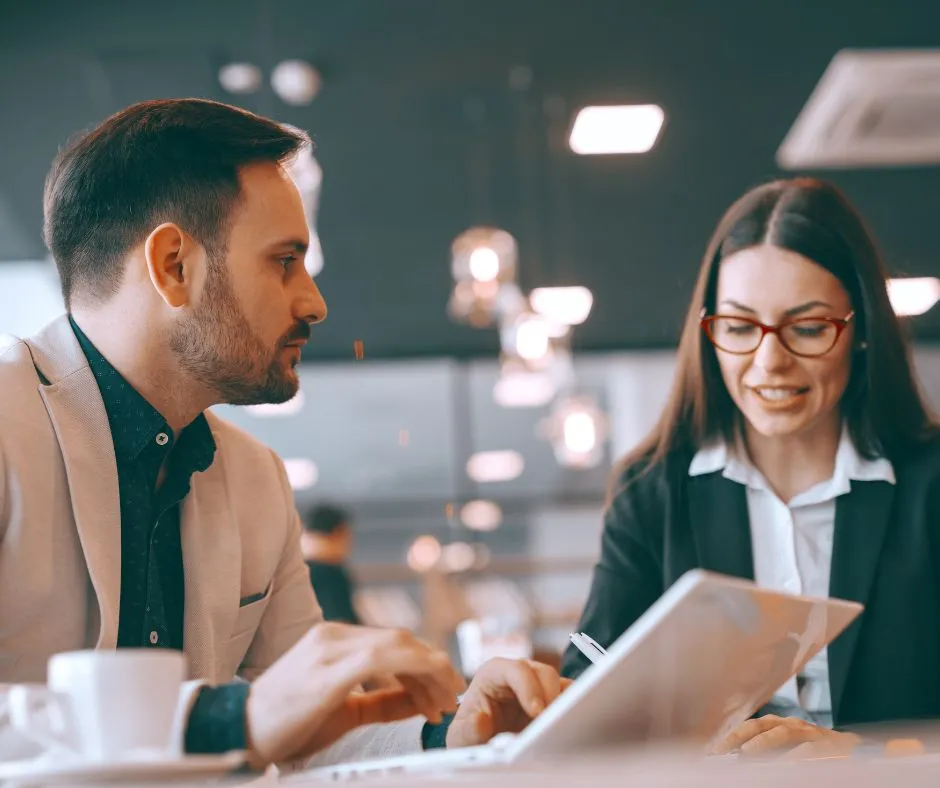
(794, 450)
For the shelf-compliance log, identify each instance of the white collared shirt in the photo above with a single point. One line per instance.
(792, 542)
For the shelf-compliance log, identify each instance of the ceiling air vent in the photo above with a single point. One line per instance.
(872, 108)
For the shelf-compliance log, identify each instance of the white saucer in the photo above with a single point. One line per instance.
(48, 771)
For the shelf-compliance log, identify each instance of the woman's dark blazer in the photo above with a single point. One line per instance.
(885, 666)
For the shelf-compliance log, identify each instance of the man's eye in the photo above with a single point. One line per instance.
(287, 260)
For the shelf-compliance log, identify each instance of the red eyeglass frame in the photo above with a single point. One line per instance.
(840, 323)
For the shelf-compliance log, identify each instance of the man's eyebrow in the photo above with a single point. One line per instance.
(295, 244)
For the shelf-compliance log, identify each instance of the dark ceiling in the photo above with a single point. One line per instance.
(420, 135)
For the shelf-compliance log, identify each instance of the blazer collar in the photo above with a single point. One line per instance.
(720, 525)
(212, 560)
(76, 410)
(862, 519)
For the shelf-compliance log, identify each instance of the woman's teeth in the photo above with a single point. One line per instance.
(778, 394)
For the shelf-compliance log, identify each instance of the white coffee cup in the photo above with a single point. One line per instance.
(105, 705)
(14, 746)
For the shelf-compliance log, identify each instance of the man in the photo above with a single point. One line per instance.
(130, 516)
(326, 544)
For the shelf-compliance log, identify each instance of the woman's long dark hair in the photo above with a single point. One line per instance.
(881, 404)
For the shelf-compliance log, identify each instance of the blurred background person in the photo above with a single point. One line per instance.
(327, 542)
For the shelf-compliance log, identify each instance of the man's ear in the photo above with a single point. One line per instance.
(175, 263)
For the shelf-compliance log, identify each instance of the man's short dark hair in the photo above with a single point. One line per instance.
(325, 519)
(175, 160)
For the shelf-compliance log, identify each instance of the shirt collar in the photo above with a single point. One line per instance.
(735, 465)
(135, 423)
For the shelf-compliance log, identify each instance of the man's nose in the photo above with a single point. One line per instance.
(311, 306)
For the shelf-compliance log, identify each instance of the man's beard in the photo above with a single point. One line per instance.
(216, 346)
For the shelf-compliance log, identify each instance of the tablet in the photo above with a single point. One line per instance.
(707, 655)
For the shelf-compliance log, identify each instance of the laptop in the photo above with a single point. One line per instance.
(706, 656)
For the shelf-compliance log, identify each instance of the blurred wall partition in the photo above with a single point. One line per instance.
(398, 435)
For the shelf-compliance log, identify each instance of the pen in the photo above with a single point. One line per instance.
(587, 646)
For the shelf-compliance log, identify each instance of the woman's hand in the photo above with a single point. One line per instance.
(795, 737)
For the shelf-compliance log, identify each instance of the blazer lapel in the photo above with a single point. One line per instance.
(861, 523)
(78, 417)
(212, 569)
(720, 525)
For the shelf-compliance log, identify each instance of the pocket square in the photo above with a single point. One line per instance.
(248, 600)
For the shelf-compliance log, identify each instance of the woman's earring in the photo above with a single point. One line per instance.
(863, 346)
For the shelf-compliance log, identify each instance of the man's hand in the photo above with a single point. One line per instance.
(307, 700)
(798, 738)
(504, 697)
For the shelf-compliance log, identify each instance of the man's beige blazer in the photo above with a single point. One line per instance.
(60, 534)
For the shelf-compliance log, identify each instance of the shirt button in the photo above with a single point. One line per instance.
(154, 637)
(162, 439)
